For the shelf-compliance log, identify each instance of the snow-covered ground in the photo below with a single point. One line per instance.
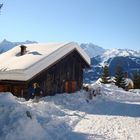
(114, 115)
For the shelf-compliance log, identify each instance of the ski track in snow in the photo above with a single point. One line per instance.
(115, 115)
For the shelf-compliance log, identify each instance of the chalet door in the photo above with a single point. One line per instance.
(70, 86)
(73, 86)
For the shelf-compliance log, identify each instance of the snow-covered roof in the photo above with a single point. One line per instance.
(38, 57)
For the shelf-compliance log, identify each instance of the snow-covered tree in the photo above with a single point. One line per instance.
(105, 77)
(119, 77)
(136, 79)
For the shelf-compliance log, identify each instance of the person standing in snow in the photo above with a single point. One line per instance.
(88, 93)
(31, 92)
(37, 92)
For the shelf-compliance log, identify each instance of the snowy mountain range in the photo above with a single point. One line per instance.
(92, 50)
(6, 45)
(130, 59)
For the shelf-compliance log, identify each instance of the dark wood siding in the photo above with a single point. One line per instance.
(18, 88)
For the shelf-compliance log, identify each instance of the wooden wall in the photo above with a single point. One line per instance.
(18, 88)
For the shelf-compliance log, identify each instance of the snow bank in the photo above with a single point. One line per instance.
(14, 122)
(136, 91)
(115, 114)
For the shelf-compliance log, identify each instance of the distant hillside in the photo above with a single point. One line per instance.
(129, 63)
(129, 59)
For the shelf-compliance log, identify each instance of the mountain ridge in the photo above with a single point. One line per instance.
(91, 49)
(6, 45)
(128, 58)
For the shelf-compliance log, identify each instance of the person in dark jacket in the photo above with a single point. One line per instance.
(31, 92)
(37, 92)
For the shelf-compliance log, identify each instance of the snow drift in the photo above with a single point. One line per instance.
(115, 114)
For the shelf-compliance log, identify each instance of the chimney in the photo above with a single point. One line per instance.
(23, 49)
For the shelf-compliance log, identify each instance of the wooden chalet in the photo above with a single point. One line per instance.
(57, 67)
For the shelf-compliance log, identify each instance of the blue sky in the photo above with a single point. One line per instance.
(107, 23)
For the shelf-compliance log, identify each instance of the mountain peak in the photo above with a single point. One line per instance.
(5, 41)
(121, 52)
(92, 50)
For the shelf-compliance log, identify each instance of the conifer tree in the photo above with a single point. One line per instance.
(119, 77)
(136, 79)
(105, 78)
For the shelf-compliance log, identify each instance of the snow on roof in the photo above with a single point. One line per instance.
(38, 57)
